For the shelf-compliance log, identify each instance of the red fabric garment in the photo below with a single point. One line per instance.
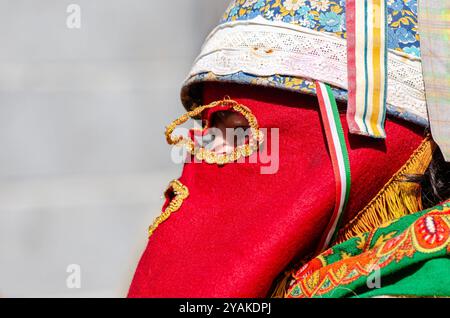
(239, 229)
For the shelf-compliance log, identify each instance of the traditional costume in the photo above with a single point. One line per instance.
(339, 206)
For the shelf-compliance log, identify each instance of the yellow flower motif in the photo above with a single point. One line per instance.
(313, 280)
(293, 5)
(341, 272)
(345, 255)
(383, 238)
(361, 241)
(263, 81)
(337, 9)
(210, 76)
(292, 82)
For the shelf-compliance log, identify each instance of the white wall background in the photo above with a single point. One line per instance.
(83, 160)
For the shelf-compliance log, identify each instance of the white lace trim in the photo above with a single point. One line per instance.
(265, 48)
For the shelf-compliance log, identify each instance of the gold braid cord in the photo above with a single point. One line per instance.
(181, 193)
(201, 153)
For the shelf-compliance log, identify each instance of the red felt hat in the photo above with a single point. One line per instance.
(238, 229)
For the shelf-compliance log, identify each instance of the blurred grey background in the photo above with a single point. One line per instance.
(83, 160)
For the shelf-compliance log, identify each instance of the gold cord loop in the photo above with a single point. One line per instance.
(181, 193)
(201, 153)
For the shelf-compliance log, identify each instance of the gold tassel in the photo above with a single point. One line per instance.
(282, 285)
(397, 198)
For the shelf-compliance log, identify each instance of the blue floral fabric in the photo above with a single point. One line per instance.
(323, 16)
(329, 16)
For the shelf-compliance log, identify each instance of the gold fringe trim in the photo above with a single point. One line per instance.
(282, 285)
(396, 199)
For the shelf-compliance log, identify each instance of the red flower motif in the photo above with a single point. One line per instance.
(431, 231)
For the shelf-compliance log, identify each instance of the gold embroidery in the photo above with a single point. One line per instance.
(203, 154)
(181, 193)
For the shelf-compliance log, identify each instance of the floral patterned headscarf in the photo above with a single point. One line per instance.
(325, 17)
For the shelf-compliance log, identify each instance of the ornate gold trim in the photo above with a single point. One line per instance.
(181, 193)
(203, 154)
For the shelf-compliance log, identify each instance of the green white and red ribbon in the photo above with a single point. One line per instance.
(367, 67)
(339, 158)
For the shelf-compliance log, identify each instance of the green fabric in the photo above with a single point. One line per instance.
(410, 256)
(431, 278)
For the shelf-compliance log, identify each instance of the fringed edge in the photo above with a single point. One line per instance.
(399, 197)
(282, 285)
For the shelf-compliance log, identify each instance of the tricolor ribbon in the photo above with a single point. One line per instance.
(339, 158)
(367, 67)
